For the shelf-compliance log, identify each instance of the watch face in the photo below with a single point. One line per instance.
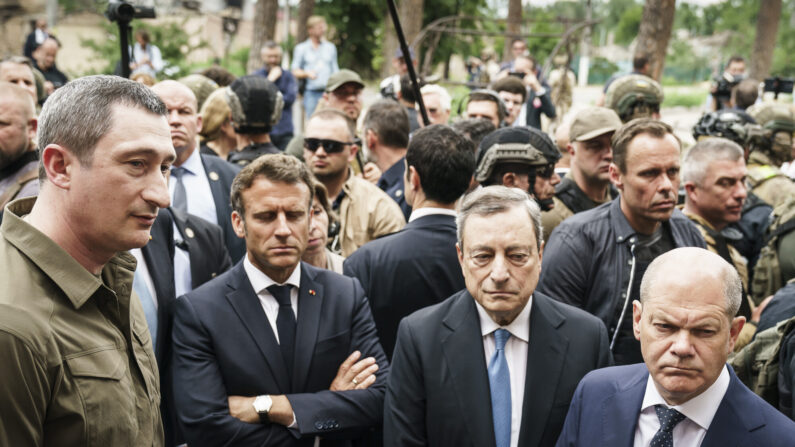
(262, 404)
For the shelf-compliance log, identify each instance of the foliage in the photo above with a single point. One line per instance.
(629, 24)
(172, 39)
(601, 70)
(683, 99)
(356, 24)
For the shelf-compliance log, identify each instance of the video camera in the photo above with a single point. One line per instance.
(125, 12)
(724, 85)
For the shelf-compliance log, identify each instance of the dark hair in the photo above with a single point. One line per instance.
(518, 39)
(80, 113)
(510, 84)
(735, 58)
(489, 95)
(745, 93)
(475, 129)
(639, 61)
(220, 75)
(407, 89)
(144, 35)
(273, 167)
(626, 133)
(389, 121)
(444, 160)
(270, 44)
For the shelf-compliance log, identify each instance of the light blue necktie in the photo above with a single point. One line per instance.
(500, 384)
(180, 202)
(148, 303)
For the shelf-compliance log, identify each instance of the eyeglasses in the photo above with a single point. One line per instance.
(545, 171)
(330, 146)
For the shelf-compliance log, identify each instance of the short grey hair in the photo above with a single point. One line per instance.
(727, 274)
(706, 151)
(80, 113)
(497, 199)
(434, 89)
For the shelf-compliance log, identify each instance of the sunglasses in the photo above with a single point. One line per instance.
(545, 171)
(330, 146)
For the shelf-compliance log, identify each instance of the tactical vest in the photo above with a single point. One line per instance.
(767, 278)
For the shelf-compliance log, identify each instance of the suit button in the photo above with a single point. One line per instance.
(336, 425)
(318, 425)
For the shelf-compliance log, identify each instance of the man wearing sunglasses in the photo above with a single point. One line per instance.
(520, 157)
(365, 212)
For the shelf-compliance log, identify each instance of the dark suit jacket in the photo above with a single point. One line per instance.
(406, 271)
(606, 407)
(223, 345)
(220, 174)
(438, 391)
(208, 258)
(534, 109)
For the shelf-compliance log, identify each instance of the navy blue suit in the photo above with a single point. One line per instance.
(223, 345)
(438, 392)
(606, 407)
(406, 271)
(220, 174)
(391, 182)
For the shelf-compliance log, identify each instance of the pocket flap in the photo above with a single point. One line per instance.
(105, 364)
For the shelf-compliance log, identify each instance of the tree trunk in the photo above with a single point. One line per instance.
(655, 32)
(410, 12)
(513, 26)
(305, 9)
(766, 29)
(264, 30)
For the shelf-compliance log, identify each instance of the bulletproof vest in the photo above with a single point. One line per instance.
(767, 278)
(251, 152)
(574, 198)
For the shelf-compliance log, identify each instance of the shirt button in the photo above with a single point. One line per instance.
(318, 425)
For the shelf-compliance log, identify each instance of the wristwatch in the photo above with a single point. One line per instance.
(262, 405)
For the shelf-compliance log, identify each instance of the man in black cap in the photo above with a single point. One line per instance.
(256, 105)
(520, 157)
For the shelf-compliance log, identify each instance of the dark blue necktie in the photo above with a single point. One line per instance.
(500, 384)
(668, 419)
(285, 324)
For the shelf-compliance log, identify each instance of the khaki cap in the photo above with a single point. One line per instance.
(342, 77)
(592, 122)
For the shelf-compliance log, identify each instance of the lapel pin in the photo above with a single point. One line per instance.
(213, 176)
(312, 292)
(150, 237)
(189, 232)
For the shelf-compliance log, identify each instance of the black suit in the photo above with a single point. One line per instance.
(220, 174)
(406, 271)
(224, 345)
(536, 105)
(208, 258)
(438, 391)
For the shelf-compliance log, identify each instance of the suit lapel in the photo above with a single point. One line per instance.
(548, 348)
(221, 207)
(462, 347)
(310, 301)
(159, 257)
(621, 411)
(248, 308)
(736, 416)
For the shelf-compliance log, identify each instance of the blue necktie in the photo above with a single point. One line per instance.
(148, 303)
(500, 384)
(668, 419)
(180, 202)
(285, 324)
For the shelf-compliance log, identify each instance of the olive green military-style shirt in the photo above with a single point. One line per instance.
(76, 360)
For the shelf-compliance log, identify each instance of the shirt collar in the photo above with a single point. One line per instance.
(519, 327)
(260, 281)
(700, 409)
(422, 212)
(77, 283)
(194, 163)
(393, 175)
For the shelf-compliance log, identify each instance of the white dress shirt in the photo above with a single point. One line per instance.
(699, 411)
(515, 354)
(260, 283)
(197, 188)
(427, 211)
(142, 269)
(183, 279)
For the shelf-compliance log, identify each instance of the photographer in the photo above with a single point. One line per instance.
(720, 91)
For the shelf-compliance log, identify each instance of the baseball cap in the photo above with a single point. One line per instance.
(593, 121)
(341, 77)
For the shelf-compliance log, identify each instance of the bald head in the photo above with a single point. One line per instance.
(45, 53)
(17, 123)
(694, 269)
(15, 97)
(183, 117)
(19, 71)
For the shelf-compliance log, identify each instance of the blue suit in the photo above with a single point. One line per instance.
(606, 407)
(220, 174)
(223, 345)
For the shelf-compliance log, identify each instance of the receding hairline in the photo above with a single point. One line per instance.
(165, 87)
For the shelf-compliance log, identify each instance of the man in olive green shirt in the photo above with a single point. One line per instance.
(77, 363)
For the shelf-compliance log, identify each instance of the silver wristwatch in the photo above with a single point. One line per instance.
(262, 405)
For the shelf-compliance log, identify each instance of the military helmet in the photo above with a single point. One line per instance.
(774, 116)
(256, 104)
(634, 96)
(522, 145)
(724, 123)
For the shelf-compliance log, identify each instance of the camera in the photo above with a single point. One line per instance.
(725, 84)
(779, 85)
(125, 12)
